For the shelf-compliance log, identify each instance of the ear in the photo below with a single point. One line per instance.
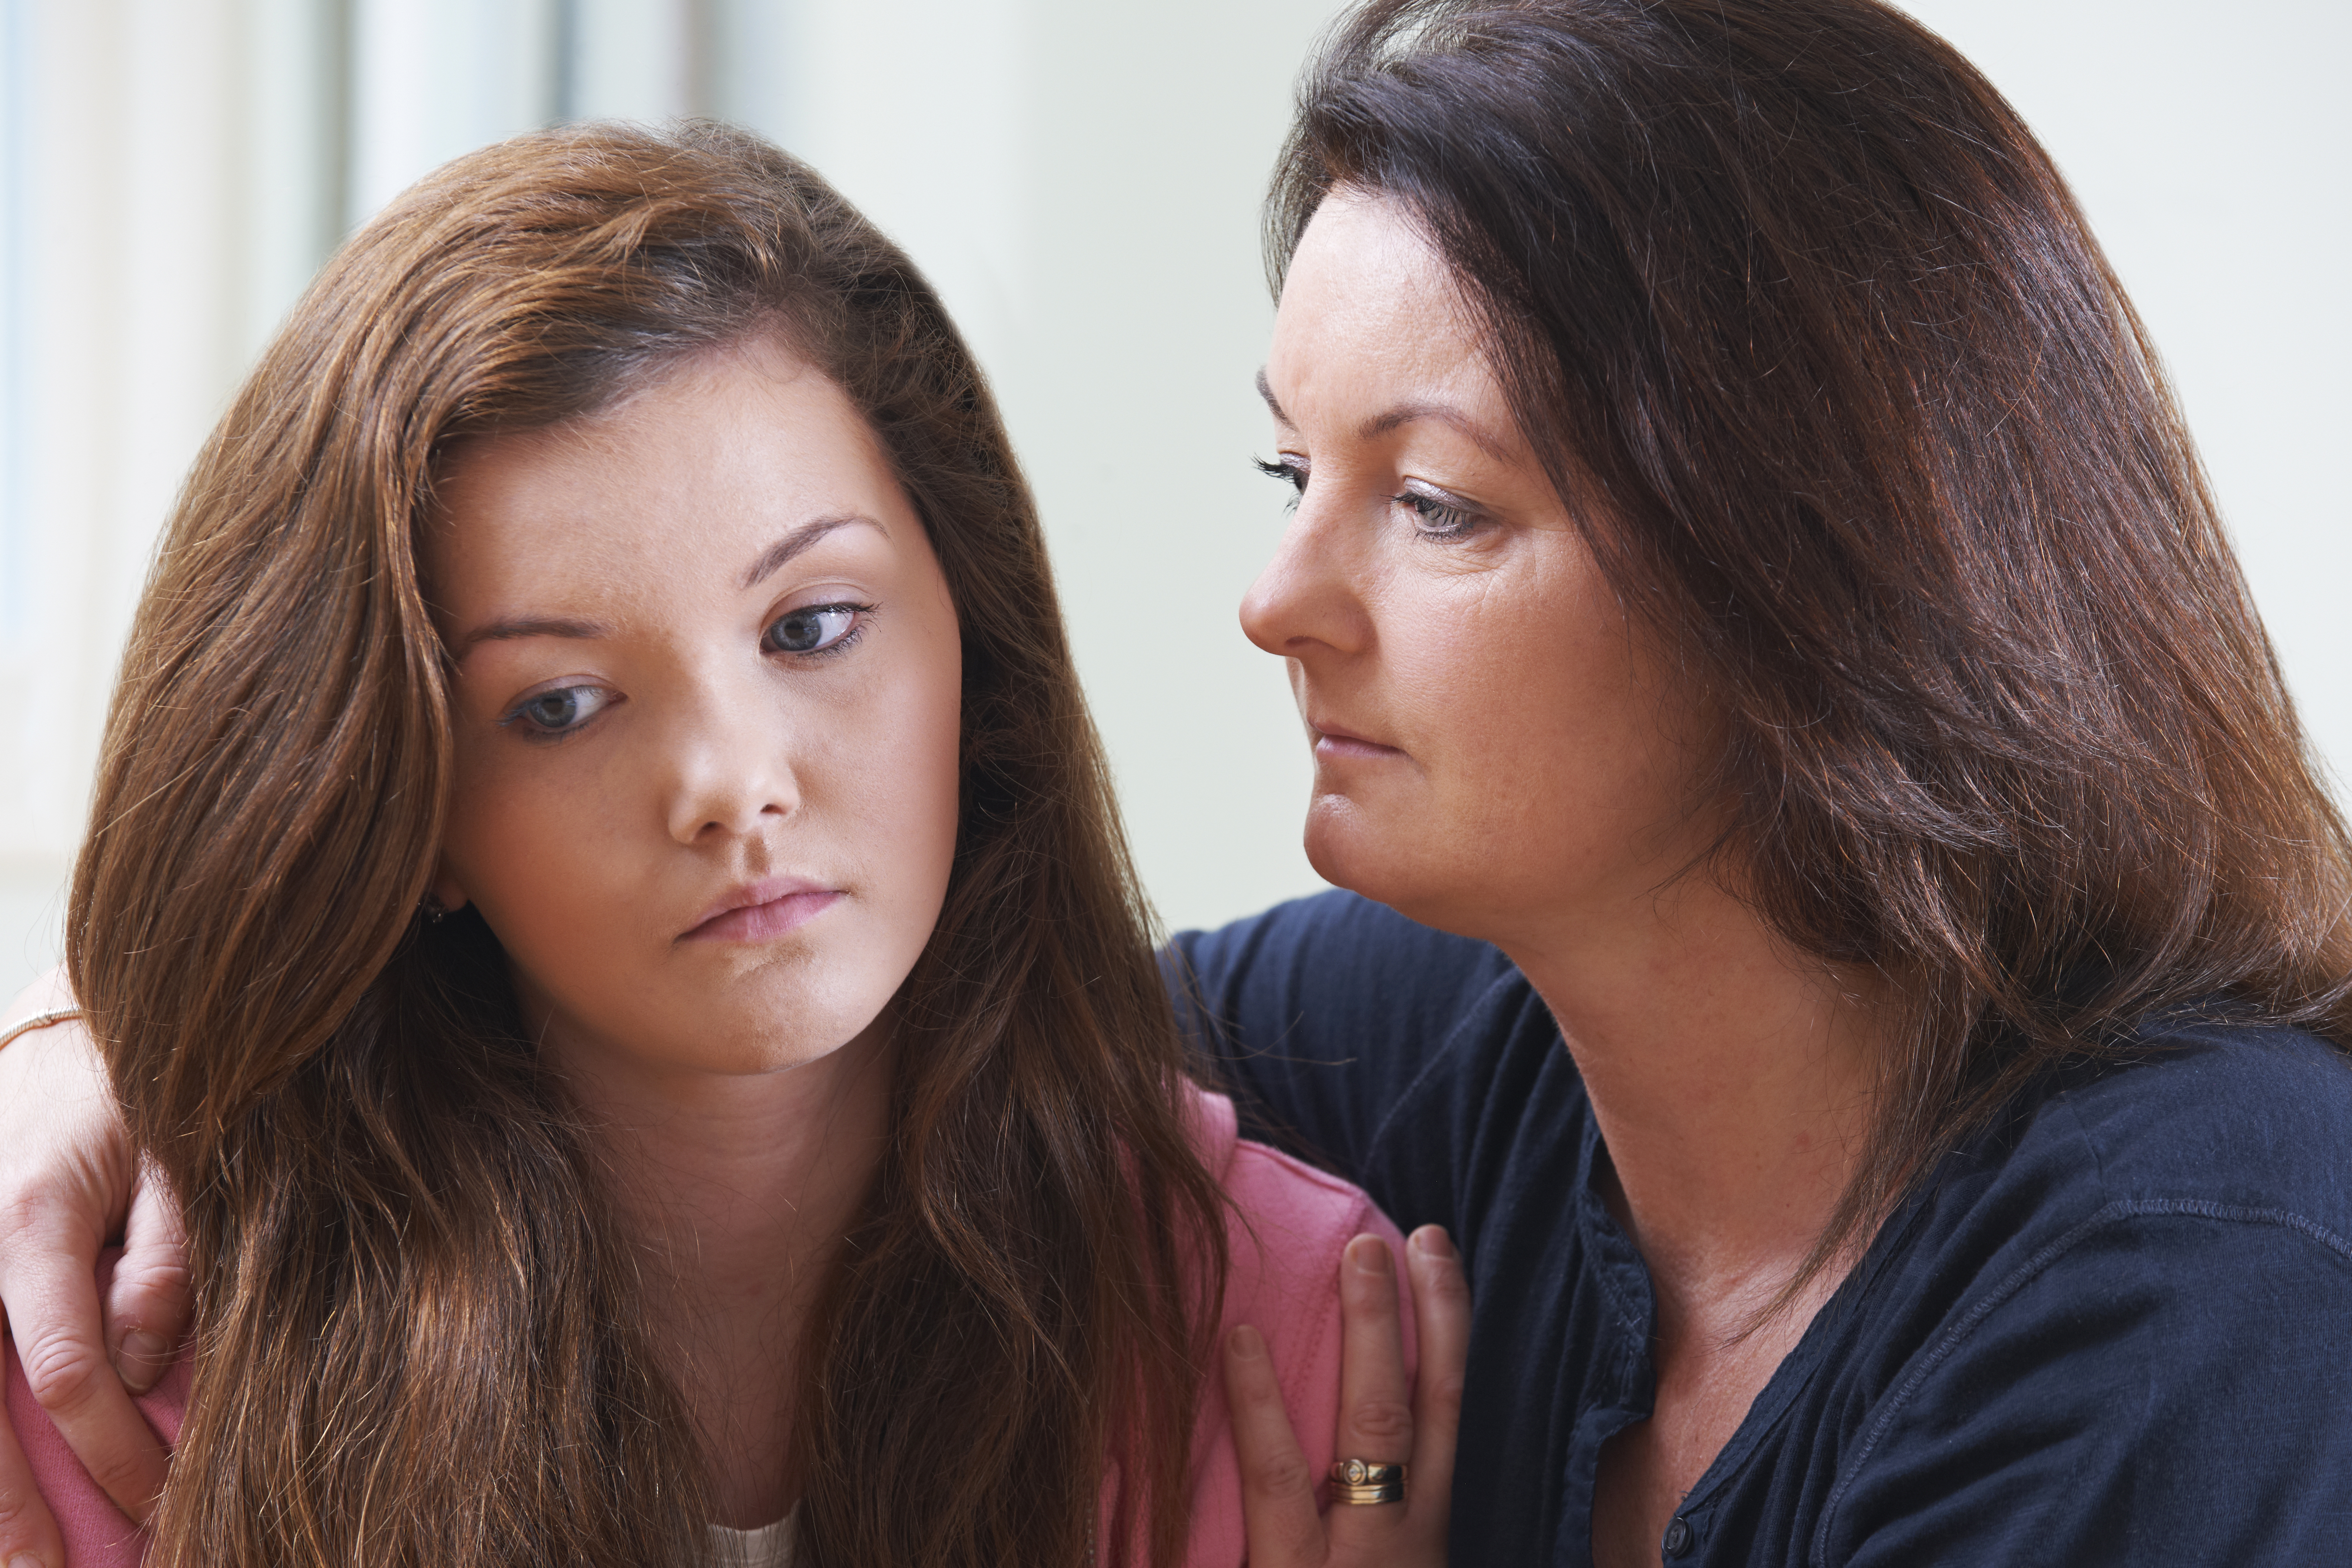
(445, 893)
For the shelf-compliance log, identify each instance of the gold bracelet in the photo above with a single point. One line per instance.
(38, 1021)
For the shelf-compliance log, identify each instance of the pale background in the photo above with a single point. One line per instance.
(1081, 178)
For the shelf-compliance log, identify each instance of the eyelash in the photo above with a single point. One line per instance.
(865, 613)
(1440, 521)
(1288, 472)
(514, 716)
(538, 737)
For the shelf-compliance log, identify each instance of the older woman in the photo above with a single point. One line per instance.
(1843, 928)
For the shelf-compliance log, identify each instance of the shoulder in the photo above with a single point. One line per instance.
(2163, 1182)
(1286, 1225)
(2249, 1118)
(2204, 1140)
(1325, 1014)
(2234, 1124)
(2115, 1333)
(1336, 917)
(1340, 947)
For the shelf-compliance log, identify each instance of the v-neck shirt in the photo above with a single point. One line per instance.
(2114, 1328)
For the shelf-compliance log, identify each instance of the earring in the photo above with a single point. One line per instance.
(434, 913)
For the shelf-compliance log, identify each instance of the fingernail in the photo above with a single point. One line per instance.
(145, 1357)
(1431, 1241)
(25, 1560)
(1244, 1341)
(1369, 1253)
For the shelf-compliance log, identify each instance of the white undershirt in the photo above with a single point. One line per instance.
(770, 1546)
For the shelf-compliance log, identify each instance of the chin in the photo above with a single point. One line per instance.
(1349, 850)
(1393, 864)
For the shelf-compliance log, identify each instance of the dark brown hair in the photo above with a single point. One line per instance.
(417, 1328)
(1818, 350)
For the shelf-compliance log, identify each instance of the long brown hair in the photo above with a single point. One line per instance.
(1821, 355)
(417, 1323)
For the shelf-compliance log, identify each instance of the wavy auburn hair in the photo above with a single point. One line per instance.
(418, 1330)
(1821, 356)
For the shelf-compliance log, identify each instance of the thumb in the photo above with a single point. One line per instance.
(147, 1305)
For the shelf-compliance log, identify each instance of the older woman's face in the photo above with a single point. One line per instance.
(706, 705)
(1497, 747)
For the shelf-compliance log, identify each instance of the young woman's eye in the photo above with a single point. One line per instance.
(815, 628)
(1435, 516)
(558, 711)
(1289, 470)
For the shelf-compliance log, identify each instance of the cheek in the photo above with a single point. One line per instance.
(912, 786)
(1545, 768)
(515, 845)
(1561, 777)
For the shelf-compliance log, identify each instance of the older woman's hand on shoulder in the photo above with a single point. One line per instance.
(68, 1181)
(1385, 1420)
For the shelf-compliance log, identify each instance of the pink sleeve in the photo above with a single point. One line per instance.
(1289, 1226)
(97, 1533)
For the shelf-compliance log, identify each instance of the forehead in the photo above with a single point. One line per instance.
(1365, 292)
(704, 467)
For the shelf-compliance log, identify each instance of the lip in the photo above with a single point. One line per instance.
(1332, 740)
(762, 910)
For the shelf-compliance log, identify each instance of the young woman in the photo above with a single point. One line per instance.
(603, 905)
(1880, 1042)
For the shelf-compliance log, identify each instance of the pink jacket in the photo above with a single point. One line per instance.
(1287, 1228)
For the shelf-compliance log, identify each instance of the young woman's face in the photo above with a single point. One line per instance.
(707, 712)
(1496, 746)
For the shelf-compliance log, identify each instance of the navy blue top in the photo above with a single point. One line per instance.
(2114, 1329)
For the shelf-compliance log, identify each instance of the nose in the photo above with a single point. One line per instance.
(1310, 596)
(731, 758)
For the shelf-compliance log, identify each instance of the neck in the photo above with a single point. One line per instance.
(738, 1188)
(1731, 1079)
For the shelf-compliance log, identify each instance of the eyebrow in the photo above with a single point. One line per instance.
(518, 627)
(771, 560)
(1404, 414)
(1444, 413)
(1272, 404)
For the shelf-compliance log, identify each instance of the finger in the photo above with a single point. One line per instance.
(29, 1534)
(1375, 1397)
(51, 1226)
(1278, 1493)
(1375, 1400)
(1441, 1308)
(52, 1304)
(148, 1303)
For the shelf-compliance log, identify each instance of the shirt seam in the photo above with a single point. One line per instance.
(2114, 1214)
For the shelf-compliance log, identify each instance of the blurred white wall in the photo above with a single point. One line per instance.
(2209, 146)
(1080, 177)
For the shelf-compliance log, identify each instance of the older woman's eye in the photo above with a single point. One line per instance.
(1289, 470)
(558, 711)
(817, 628)
(1435, 516)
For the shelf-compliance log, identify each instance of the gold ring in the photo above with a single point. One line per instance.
(1362, 1482)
